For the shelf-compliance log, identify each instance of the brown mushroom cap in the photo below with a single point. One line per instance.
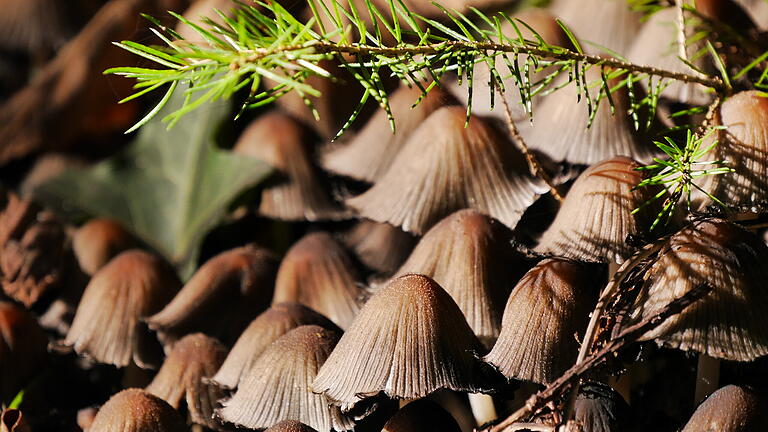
(471, 257)
(135, 410)
(729, 322)
(380, 246)
(33, 25)
(222, 297)
(318, 272)
(98, 241)
(445, 167)
(409, 340)
(422, 415)
(549, 305)
(107, 324)
(596, 217)
(265, 329)
(194, 358)
(599, 408)
(278, 385)
(607, 23)
(22, 349)
(730, 409)
(290, 426)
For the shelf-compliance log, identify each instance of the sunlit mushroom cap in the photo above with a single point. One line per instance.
(277, 387)
(371, 151)
(265, 329)
(135, 410)
(422, 415)
(180, 382)
(730, 409)
(596, 217)
(107, 325)
(318, 272)
(290, 426)
(471, 257)
(98, 241)
(744, 145)
(380, 246)
(729, 322)
(599, 408)
(222, 297)
(409, 340)
(445, 167)
(607, 23)
(547, 308)
(22, 349)
(297, 193)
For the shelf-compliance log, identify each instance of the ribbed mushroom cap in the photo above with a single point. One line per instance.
(608, 23)
(278, 385)
(729, 322)
(222, 297)
(599, 408)
(445, 167)
(98, 241)
(560, 126)
(549, 305)
(380, 246)
(22, 349)
(107, 324)
(135, 410)
(318, 272)
(745, 146)
(265, 329)
(281, 142)
(596, 217)
(757, 10)
(471, 257)
(409, 340)
(422, 415)
(370, 153)
(290, 426)
(32, 25)
(730, 409)
(180, 379)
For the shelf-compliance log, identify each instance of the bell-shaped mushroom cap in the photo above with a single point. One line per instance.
(98, 241)
(471, 257)
(422, 415)
(599, 408)
(222, 297)
(265, 329)
(757, 10)
(278, 385)
(729, 322)
(180, 380)
(561, 131)
(22, 349)
(596, 217)
(317, 272)
(380, 246)
(107, 324)
(608, 23)
(281, 142)
(409, 340)
(135, 410)
(745, 146)
(730, 409)
(549, 305)
(370, 153)
(445, 167)
(290, 426)
(32, 25)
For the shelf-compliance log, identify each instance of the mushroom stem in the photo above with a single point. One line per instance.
(707, 377)
(482, 408)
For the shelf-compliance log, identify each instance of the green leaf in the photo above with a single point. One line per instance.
(168, 187)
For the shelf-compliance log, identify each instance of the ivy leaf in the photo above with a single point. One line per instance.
(169, 187)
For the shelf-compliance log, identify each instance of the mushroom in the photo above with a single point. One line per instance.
(221, 298)
(13, 420)
(282, 142)
(38, 27)
(98, 241)
(599, 24)
(135, 410)
(730, 409)
(265, 329)
(445, 166)
(318, 272)
(421, 415)
(277, 387)
(599, 213)
(409, 340)
(599, 408)
(290, 426)
(549, 305)
(107, 324)
(22, 349)
(194, 358)
(379, 246)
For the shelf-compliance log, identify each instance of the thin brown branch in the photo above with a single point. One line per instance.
(626, 337)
